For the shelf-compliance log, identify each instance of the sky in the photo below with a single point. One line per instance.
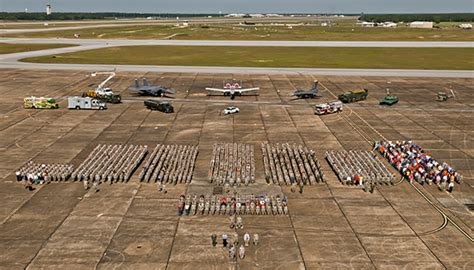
(243, 6)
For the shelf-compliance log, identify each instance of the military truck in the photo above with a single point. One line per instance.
(354, 95)
(86, 103)
(162, 106)
(106, 96)
(39, 103)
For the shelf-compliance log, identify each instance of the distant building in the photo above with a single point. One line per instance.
(421, 25)
(367, 24)
(49, 9)
(389, 24)
(465, 26)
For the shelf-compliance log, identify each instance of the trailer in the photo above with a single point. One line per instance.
(40, 103)
(328, 108)
(85, 103)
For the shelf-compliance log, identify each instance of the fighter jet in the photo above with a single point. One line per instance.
(232, 90)
(311, 93)
(151, 90)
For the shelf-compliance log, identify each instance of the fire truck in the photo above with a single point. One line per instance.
(39, 103)
(328, 108)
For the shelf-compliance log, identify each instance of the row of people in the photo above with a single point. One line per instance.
(40, 173)
(233, 204)
(233, 164)
(285, 164)
(170, 164)
(416, 165)
(110, 163)
(355, 167)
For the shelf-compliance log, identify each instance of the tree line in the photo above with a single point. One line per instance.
(448, 17)
(66, 16)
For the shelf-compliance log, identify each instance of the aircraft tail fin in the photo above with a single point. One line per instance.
(145, 82)
(137, 85)
(315, 85)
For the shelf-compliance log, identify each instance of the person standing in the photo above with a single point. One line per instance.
(451, 187)
(214, 239)
(224, 239)
(242, 252)
(239, 223)
(255, 239)
(246, 239)
(86, 184)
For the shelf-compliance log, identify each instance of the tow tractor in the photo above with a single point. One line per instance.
(104, 93)
(328, 108)
(442, 96)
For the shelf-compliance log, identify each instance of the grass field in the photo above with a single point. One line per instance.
(341, 31)
(302, 57)
(15, 47)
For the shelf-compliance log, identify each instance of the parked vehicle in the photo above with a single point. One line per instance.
(162, 106)
(105, 95)
(231, 110)
(328, 108)
(354, 95)
(39, 103)
(389, 100)
(85, 103)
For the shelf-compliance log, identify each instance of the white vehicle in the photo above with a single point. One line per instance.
(231, 110)
(101, 90)
(328, 108)
(87, 103)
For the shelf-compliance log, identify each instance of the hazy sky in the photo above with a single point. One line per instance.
(232, 6)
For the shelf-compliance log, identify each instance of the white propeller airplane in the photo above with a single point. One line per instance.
(232, 90)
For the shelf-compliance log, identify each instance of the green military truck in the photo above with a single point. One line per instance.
(354, 95)
(162, 106)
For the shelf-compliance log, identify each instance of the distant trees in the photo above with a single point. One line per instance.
(65, 16)
(448, 17)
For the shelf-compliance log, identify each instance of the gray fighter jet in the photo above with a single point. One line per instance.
(151, 90)
(311, 93)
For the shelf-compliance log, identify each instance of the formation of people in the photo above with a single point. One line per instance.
(235, 248)
(39, 173)
(111, 163)
(416, 165)
(286, 165)
(359, 168)
(232, 205)
(170, 164)
(232, 164)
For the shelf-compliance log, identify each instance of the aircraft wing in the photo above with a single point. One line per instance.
(218, 90)
(246, 90)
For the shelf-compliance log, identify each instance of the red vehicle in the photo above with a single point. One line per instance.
(328, 108)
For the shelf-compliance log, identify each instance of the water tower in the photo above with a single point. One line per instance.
(49, 9)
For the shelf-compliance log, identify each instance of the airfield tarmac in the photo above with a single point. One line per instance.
(132, 225)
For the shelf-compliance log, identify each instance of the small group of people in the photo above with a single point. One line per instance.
(37, 174)
(235, 245)
(94, 184)
(233, 204)
(416, 165)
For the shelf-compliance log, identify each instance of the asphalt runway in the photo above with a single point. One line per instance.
(244, 43)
